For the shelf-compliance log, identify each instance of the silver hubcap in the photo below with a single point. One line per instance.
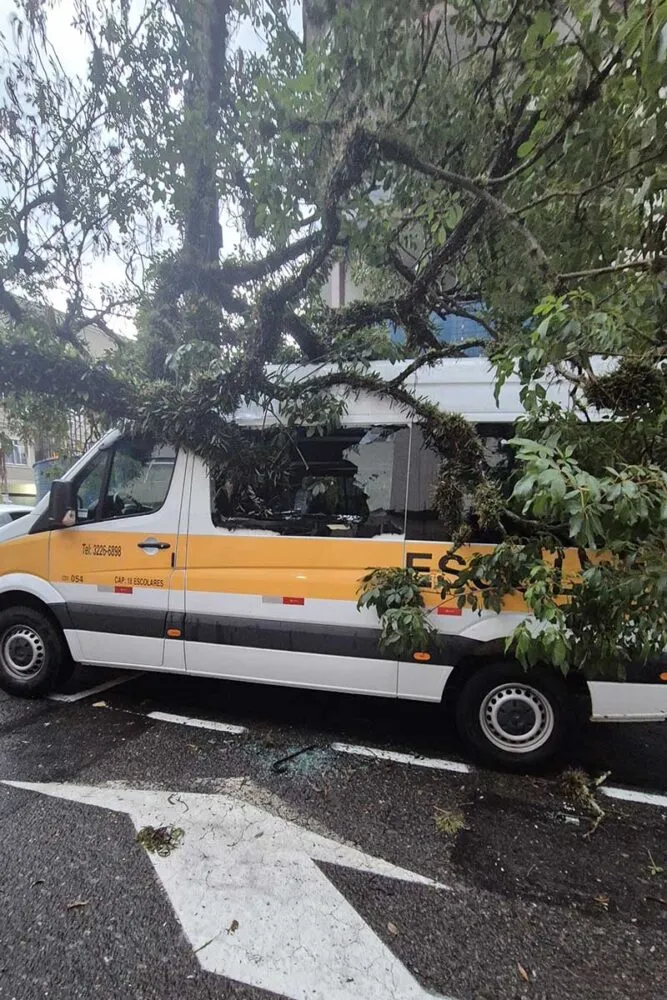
(22, 650)
(516, 718)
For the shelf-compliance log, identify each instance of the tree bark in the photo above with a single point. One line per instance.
(205, 28)
(204, 95)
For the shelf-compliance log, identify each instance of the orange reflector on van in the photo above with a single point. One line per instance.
(663, 675)
(294, 600)
(422, 657)
(174, 633)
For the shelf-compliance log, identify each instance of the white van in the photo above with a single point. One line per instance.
(143, 559)
(12, 512)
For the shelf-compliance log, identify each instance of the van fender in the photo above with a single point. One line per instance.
(33, 585)
(428, 681)
(45, 592)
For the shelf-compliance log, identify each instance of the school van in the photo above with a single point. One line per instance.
(12, 512)
(142, 558)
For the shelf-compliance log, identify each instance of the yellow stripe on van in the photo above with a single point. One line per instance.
(308, 567)
(328, 568)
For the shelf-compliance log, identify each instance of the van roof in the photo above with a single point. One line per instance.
(460, 385)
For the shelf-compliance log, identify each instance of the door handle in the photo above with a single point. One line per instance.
(152, 544)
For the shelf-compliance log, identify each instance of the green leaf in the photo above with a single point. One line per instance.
(525, 149)
(542, 22)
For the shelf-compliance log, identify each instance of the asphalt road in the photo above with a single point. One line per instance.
(329, 877)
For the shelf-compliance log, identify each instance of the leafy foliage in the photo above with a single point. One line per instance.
(396, 596)
(499, 162)
(609, 608)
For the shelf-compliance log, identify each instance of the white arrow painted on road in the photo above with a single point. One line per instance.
(252, 901)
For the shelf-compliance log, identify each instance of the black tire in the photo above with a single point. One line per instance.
(515, 719)
(32, 652)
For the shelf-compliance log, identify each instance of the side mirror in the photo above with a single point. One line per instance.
(62, 504)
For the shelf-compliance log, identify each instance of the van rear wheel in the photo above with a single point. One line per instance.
(32, 652)
(513, 718)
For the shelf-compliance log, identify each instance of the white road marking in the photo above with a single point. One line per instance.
(115, 682)
(436, 763)
(634, 795)
(252, 900)
(186, 720)
(403, 758)
(357, 750)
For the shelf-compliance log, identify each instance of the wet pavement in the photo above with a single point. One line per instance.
(324, 876)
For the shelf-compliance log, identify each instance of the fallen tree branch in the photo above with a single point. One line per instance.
(71, 380)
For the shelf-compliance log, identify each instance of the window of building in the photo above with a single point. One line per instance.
(423, 521)
(131, 478)
(18, 454)
(350, 483)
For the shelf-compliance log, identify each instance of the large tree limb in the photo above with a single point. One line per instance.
(347, 170)
(255, 270)
(73, 382)
(309, 342)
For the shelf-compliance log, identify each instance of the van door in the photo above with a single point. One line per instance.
(114, 566)
(428, 549)
(275, 556)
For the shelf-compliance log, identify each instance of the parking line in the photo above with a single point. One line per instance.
(79, 695)
(186, 720)
(357, 750)
(634, 795)
(436, 763)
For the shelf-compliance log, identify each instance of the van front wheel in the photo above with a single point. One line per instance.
(32, 652)
(513, 718)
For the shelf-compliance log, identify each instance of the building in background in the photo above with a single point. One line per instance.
(26, 468)
(17, 484)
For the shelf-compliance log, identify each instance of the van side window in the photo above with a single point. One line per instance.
(134, 479)
(348, 484)
(423, 521)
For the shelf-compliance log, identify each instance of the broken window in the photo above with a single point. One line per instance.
(423, 520)
(350, 483)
